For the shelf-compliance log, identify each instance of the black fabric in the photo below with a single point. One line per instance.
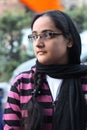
(71, 108)
(62, 71)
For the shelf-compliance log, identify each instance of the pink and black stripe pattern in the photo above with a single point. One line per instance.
(21, 93)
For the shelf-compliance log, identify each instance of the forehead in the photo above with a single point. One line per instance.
(44, 23)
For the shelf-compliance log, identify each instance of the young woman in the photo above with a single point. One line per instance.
(53, 94)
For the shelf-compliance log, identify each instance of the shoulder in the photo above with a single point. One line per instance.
(24, 77)
(22, 86)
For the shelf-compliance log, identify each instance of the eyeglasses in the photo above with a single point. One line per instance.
(43, 35)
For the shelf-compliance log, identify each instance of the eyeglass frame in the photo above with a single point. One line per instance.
(41, 35)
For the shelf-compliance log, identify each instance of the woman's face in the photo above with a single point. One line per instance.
(52, 50)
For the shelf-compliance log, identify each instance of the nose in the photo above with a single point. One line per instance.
(39, 43)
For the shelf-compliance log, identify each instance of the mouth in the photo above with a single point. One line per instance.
(41, 52)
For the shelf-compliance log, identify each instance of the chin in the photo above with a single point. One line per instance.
(44, 62)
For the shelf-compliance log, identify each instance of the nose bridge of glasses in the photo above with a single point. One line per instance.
(39, 40)
(40, 35)
(35, 36)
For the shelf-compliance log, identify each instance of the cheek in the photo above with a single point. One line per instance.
(54, 46)
(58, 48)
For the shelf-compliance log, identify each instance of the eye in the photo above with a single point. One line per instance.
(32, 36)
(47, 35)
(50, 34)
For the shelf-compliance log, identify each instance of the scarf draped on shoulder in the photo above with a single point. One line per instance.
(71, 108)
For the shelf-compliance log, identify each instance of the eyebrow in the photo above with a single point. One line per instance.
(46, 30)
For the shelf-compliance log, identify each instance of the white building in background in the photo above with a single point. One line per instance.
(68, 4)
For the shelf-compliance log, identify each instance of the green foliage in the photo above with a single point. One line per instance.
(14, 21)
(11, 54)
(6, 68)
(79, 16)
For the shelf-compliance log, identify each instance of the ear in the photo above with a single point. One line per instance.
(69, 42)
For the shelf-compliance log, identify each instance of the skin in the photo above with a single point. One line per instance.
(50, 51)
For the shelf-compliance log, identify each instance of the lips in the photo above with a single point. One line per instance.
(41, 52)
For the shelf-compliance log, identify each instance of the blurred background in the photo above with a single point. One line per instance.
(16, 51)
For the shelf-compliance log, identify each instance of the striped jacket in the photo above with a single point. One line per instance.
(20, 94)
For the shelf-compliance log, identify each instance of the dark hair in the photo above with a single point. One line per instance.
(34, 121)
(63, 22)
